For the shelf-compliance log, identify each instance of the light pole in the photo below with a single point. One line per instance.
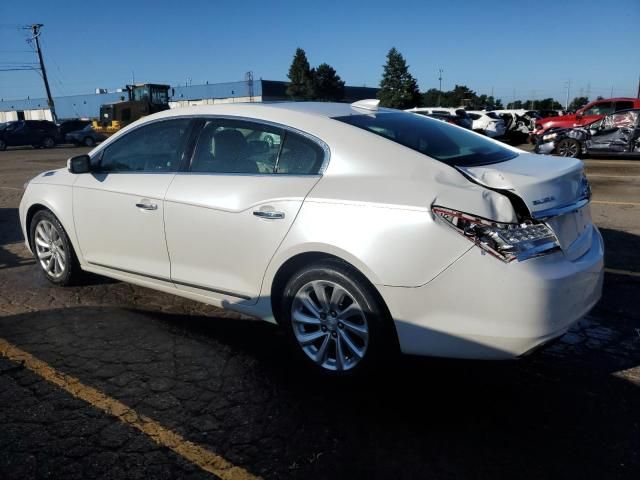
(440, 87)
(36, 34)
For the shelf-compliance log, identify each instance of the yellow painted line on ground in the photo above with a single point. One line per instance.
(194, 453)
(629, 273)
(606, 202)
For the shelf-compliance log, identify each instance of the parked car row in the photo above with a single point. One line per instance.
(455, 116)
(46, 134)
(616, 134)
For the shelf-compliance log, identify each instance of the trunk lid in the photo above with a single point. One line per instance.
(552, 188)
(541, 181)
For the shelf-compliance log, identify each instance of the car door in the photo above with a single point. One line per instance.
(615, 133)
(16, 133)
(118, 207)
(228, 214)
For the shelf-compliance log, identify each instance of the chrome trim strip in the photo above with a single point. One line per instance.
(557, 211)
(168, 280)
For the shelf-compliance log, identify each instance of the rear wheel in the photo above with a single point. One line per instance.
(48, 142)
(53, 250)
(569, 147)
(3, 145)
(334, 320)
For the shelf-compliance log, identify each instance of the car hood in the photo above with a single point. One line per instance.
(542, 182)
(61, 176)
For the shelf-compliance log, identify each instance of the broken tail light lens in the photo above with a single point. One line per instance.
(506, 241)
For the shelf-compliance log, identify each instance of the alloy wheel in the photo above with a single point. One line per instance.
(568, 149)
(329, 325)
(50, 249)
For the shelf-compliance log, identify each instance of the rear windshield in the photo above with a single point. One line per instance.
(446, 143)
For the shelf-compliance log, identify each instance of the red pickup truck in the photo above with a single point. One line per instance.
(589, 113)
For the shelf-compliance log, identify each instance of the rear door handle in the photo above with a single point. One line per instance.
(269, 214)
(147, 206)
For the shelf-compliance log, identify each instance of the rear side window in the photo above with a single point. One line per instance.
(436, 139)
(624, 105)
(299, 156)
(236, 146)
(157, 147)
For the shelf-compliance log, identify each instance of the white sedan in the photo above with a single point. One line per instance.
(487, 123)
(361, 231)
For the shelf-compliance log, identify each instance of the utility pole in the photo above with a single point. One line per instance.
(35, 28)
(638, 87)
(440, 87)
(566, 103)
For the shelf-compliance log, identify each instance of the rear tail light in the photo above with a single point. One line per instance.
(506, 241)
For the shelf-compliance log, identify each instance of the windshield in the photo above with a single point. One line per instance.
(441, 141)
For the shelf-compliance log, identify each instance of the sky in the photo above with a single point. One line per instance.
(521, 48)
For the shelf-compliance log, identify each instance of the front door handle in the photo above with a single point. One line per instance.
(147, 206)
(269, 214)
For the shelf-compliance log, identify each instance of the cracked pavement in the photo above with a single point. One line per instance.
(228, 383)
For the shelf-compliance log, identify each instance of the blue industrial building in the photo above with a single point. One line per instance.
(88, 106)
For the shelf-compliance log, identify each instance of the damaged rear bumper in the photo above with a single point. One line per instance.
(481, 308)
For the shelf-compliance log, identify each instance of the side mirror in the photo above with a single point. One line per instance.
(79, 164)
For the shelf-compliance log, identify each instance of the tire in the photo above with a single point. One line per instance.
(569, 147)
(47, 235)
(3, 145)
(89, 142)
(48, 142)
(343, 339)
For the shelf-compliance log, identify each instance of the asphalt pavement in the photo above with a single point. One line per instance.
(110, 380)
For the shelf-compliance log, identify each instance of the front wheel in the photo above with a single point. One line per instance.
(89, 142)
(569, 147)
(53, 250)
(334, 320)
(48, 142)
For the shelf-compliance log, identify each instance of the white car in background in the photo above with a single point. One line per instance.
(367, 231)
(487, 123)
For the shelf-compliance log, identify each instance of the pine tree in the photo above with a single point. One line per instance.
(398, 88)
(301, 77)
(328, 84)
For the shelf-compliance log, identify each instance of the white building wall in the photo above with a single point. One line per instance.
(37, 114)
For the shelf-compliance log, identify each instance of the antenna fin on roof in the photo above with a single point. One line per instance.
(368, 104)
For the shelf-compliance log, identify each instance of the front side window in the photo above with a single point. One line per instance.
(436, 139)
(235, 146)
(157, 147)
(14, 126)
(599, 109)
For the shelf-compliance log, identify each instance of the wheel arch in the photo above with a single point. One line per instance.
(297, 261)
(39, 206)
